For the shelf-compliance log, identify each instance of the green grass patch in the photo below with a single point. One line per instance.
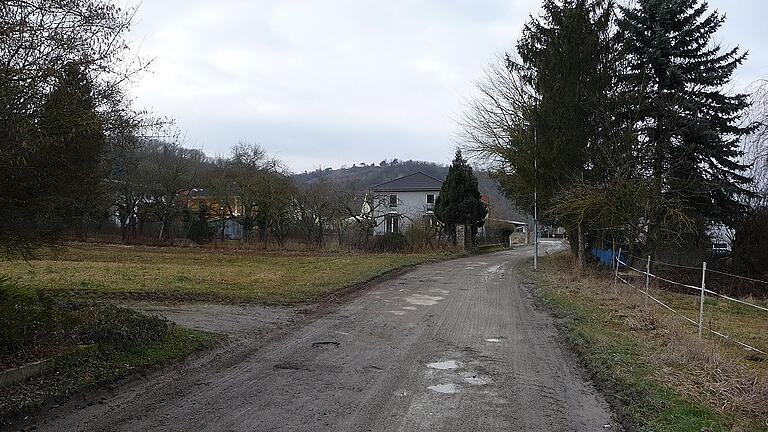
(205, 274)
(627, 354)
(84, 343)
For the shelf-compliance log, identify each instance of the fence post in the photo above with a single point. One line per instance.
(616, 260)
(701, 304)
(647, 279)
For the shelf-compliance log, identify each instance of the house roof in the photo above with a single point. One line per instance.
(417, 181)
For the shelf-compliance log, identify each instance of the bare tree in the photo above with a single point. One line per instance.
(756, 143)
(276, 205)
(173, 174)
(127, 185)
(248, 168)
(317, 207)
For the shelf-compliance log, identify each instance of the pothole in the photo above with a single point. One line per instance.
(475, 379)
(323, 344)
(291, 367)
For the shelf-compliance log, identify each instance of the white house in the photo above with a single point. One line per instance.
(400, 202)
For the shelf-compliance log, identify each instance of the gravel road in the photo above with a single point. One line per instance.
(451, 346)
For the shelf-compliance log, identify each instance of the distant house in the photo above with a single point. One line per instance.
(220, 216)
(398, 203)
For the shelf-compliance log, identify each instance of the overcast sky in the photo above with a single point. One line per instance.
(327, 83)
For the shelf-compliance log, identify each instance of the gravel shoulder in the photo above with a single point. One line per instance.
(455, 345)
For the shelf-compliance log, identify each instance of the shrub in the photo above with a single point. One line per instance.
(24, 314)
(113, 327)
(30, 320)
(390, 242)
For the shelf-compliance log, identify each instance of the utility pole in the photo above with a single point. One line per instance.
(535, 200)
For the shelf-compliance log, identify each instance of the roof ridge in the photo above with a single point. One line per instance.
(430, 176)
(404, 177)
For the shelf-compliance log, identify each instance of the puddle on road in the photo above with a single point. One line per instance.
(439, 291)
(444, 388)
(397, 312)
(444, 365)
(410, 308)
(493, 269)
(493, 340)
(423, 299)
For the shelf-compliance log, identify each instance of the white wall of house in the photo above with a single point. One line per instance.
(411, 206)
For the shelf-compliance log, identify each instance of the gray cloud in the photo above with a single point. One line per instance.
(341, 82)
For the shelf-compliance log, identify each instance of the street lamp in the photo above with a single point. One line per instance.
(535, 200)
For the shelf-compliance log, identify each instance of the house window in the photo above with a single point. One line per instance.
(392, 224)
(393, 200)
(430, 202)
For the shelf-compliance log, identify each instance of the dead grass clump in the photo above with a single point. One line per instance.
(703, 371)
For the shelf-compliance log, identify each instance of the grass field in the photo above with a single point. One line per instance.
(740, 322)
(662, 375)
(201, 274)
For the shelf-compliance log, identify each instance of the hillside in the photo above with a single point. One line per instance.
(361, 177)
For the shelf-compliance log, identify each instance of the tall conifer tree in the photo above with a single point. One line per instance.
(566, 57)
(688, 125)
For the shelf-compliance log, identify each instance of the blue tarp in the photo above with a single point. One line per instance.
(606, 256)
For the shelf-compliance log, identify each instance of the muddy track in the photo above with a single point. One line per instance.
(455, 345)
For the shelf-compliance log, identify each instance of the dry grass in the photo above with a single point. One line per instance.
(713, 372)
(708, 372)
(225, 275)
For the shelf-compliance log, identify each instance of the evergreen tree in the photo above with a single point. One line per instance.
(566, 57)
(688, 126)
(70, 145)
(459, 200)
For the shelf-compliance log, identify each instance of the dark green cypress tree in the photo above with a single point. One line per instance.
(688, 125)
(459, 200)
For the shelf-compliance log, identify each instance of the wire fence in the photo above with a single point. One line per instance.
(701, 290)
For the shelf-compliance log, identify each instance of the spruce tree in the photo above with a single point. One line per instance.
(687, 124)
(566, 57)
(459, 200)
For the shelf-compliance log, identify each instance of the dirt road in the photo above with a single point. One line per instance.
(452, 346)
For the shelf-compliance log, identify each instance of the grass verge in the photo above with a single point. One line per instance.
(84, 343)
(202, 274)
(658, 374)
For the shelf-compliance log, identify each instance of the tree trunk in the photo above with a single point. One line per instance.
(582, 252)
(573, 241)
(123, 230)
